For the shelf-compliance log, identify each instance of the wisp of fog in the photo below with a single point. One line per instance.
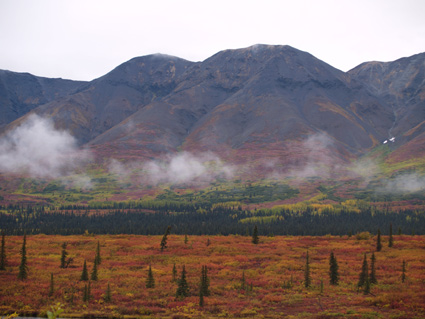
(38, 149)
(186, 167)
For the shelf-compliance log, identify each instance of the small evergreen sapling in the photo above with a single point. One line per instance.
(87, 292)
(183, 287)
(3, 261)
(150, 281)
(364, 274)
(243, 281)
(23, 267)
(174, 273)
(108, 297)
(366, 289)
(94, 275)
(52, 288)
(85, 295)
(307, 277)
(84, 273)
(403, 272)
(164, 238)
(201, 298)
(64, 254)
(373, 280)
(205, 282)
(333, 270)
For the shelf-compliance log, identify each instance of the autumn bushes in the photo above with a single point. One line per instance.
(236, 277)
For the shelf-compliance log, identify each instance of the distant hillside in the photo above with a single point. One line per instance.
(401, 85)
(256, 103)
(23, 92)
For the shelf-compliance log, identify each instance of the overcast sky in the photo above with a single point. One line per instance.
(84, 39)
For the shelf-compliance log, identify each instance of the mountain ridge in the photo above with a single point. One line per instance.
(242, 103)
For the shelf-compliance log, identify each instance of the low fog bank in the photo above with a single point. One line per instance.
(38, 149)
(320, 160)
(180, 168)
(403, 183)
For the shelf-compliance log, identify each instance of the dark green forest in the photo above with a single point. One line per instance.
(194, 219)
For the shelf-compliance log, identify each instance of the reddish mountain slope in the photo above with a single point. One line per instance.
(401, 85)
(256, 99)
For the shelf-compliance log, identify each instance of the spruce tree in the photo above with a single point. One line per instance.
(403, 272)
(150, 281)
(84, 273)
(201, 298)
(364, 275)
(108, 297)
(98, 258)
(51, 289)
(205, 282)
(255, 239)
(174, 273)
(378, 241)
(94, 275)
(164, 238)
(183, 287)
(307, 277)
(391, 239)
(366, 288)
(89, 296)
(64, 254)
(23, 268)
(333, 270)
(373, 280)
(3, 262)
(85, 294)
(186, 239)
(243, 281)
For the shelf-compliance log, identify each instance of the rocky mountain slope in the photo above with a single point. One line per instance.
(23, 92)
(246, 104)
(401, 85)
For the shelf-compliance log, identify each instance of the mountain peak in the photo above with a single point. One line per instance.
(249, 101)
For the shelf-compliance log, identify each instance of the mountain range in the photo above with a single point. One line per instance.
(247, 105)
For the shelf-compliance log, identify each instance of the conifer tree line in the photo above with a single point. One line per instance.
(216, 220)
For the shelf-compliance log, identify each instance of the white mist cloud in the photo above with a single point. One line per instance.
(80, 181)
(367, 169)
(318, 158)
(38, 149)
(125, 171)
(405, 183)
(186, 167)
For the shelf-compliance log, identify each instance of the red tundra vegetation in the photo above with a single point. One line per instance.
(264, 280)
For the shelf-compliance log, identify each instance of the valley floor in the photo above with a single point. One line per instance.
(266, 280)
